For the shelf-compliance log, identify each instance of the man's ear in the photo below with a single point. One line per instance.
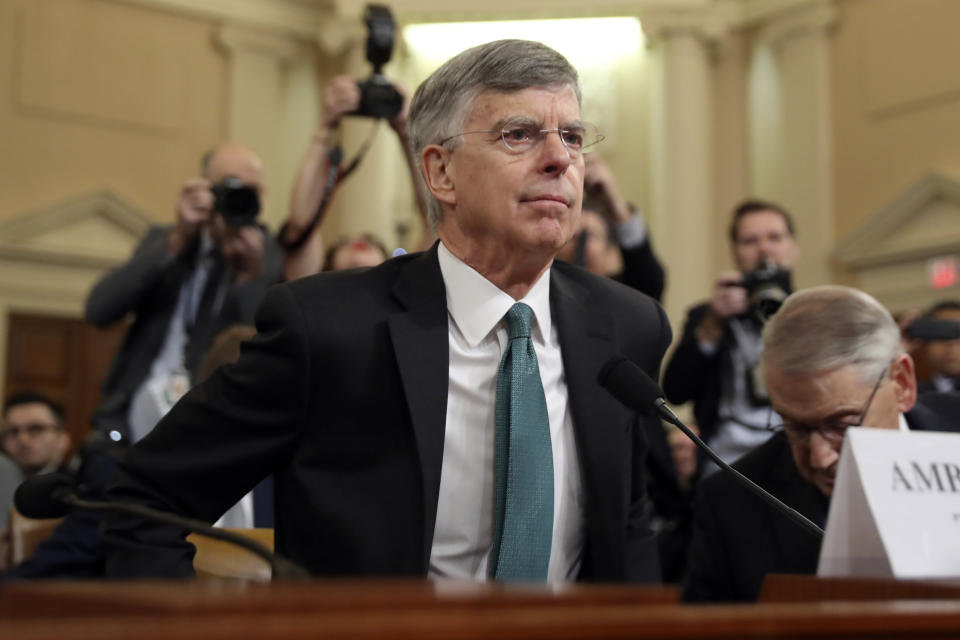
(435, 165)
(906, 380)
(64, 445)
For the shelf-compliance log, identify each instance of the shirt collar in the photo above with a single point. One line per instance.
(477, 305)
(903, 422)
(206, 246)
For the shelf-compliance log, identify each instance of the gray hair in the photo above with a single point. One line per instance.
(826, 327)
(441, 103)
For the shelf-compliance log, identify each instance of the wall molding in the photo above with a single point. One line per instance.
(879, 240)
(50, 236)
(304, 18)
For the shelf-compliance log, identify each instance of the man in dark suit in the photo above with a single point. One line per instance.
(832, 359)
(371, 394)
(715, 362)
(942, 356)
(184, 284)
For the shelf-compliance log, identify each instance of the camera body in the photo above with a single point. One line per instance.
(379, 98)
(767, 287)
(236, 201)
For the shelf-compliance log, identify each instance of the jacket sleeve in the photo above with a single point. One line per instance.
(643, 564)
(708, 577)
(123, 289)
(642, 270)
(215, 445)
(689, 369)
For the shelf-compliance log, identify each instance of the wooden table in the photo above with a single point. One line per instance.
(425, 610)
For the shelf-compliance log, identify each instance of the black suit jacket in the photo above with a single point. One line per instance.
(691, 375)
(642, 270)
(738, 538)
(343, 394)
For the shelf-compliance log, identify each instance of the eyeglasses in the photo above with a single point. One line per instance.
(34, 430)
(799, 433)
(520, 135)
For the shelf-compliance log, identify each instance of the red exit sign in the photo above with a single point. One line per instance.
(943, 272)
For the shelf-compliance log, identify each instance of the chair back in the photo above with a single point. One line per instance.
(219, 560)
(26, 534)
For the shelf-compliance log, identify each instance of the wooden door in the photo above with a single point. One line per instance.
(64, 358)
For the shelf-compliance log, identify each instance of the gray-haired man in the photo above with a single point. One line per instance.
(832, 359)
(418, 420)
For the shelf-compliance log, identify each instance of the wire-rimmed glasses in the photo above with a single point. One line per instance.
(521, 135)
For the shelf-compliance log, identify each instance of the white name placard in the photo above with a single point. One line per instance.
(895, 510)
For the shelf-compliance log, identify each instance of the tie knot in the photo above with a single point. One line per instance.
(518, 321)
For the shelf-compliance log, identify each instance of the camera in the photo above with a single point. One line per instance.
(767, 287)
(236, 201)
(379, 98)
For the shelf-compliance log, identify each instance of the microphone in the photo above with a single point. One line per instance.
(44, 495)
(53, 495)
(631, 385)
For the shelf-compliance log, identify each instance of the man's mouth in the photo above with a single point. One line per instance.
(546, 198)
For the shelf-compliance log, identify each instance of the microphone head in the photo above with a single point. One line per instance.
(42, 496)
(630, 384)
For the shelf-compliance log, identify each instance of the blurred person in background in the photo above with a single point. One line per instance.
(715, 362)
(184, 284)
(941, 354)
(314, 188)
(612, 239)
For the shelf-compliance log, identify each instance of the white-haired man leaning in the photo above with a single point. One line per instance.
(832, 359)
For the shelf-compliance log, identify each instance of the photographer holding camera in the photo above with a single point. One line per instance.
(321, 170)
(342, 97)
(715, 363)
(184, 284)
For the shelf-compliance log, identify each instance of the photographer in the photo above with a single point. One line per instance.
(612, 239)
(184, 284)
(715, 363)
(341, 97)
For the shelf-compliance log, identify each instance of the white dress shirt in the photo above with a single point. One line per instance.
(463, 534)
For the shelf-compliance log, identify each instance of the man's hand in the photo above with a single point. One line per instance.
(598, 181)
(341, 96)
(727, 301)
(243, 250)
(399, 122)
(684, 454)
(193, 211)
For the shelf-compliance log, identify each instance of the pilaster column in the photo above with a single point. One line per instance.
(256, 102)
(791, 132)
(682, 162)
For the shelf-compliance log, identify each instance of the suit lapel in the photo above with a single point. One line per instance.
(587, 342)
(421, 343)
(795, 545)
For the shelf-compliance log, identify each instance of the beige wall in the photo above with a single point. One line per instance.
(897, 100)
(122, 96)
(896, 112)
(97, 95)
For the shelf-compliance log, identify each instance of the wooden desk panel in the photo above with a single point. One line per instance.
(806, 588)
(116, 598)
(874, 620)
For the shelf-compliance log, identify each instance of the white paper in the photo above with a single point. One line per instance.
(895, 509)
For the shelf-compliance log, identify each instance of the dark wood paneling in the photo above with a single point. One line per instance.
(64, 358)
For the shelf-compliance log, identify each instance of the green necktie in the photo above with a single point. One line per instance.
(523, 512)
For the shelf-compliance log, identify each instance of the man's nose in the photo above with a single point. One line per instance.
(823, 452)
(554, 153)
